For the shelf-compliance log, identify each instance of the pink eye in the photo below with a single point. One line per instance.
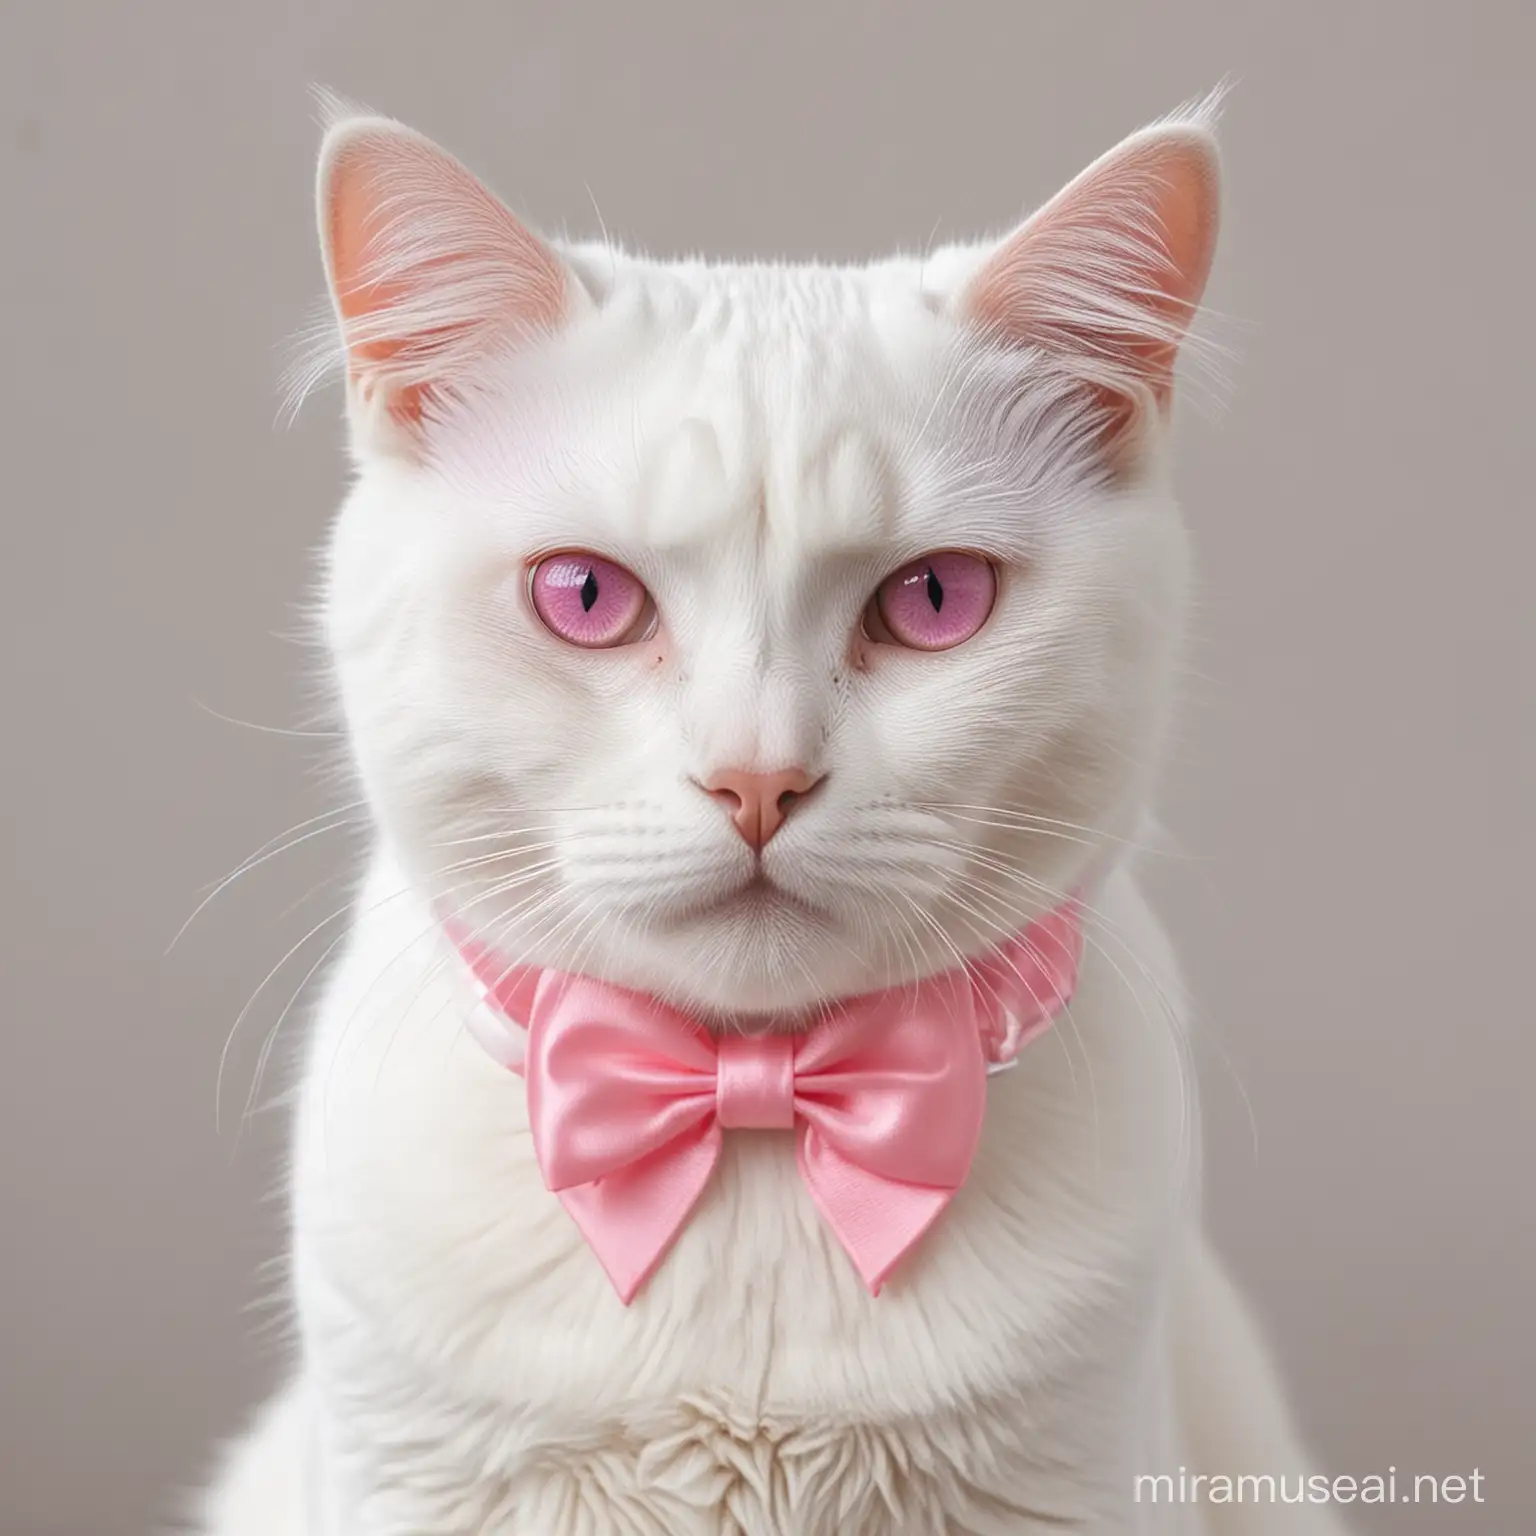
(933, 603)
(591, 601)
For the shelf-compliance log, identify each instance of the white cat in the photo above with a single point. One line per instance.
(753, 636)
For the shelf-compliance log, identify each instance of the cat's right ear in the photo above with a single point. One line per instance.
(431, 276)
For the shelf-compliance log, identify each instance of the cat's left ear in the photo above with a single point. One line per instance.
(1107, 276)
(431, 275)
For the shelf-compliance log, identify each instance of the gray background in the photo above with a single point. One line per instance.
(1353, 895)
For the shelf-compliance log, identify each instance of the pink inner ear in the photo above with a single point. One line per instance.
(1111, 270)
(427, 266)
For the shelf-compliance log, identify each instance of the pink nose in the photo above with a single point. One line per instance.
(758, 802)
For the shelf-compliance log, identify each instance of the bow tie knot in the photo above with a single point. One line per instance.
(755, 1082)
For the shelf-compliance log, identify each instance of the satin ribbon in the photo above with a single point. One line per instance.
(629, 1100)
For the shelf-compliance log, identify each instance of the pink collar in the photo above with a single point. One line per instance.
(628, 1098)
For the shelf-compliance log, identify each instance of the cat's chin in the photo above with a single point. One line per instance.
(757, 956)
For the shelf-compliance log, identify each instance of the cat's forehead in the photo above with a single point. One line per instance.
(809, 410)
(773, 401)
(762, 300)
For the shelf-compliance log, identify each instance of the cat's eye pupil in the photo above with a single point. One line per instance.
(589, 591)
(935, 590)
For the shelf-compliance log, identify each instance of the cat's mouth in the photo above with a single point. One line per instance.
(758, 897)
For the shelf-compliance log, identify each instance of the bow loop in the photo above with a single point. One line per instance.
(896, 1082)
(612, 1077)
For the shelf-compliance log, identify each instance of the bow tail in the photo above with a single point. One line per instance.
(876, 1219)
(631, 1217)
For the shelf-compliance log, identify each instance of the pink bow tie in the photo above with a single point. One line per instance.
(628, 1099)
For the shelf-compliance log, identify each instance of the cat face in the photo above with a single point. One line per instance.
(750, 635)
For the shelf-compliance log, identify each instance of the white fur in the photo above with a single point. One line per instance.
(760, 444)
